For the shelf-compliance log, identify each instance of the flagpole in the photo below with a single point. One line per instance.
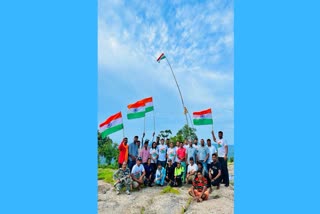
(154, 121)
(184, 107)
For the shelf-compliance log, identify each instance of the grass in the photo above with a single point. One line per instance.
(106, 174)
(184, 209)
(169, 189)
(142, 210)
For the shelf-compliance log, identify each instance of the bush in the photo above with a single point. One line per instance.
(231, 160)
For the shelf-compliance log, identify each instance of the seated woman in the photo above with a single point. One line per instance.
(160, 175)
(199, 190)
(149, 173)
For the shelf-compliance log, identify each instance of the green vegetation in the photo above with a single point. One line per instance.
(107, 148)
(184, 209)
(232, 183)
(169, 189)
(106, 174)
(165, 134)
(184, 133)
(231, 160)
(142, 210)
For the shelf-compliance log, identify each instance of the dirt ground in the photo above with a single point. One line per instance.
(150, 200)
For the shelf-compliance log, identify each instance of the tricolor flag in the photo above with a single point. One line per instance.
(136, 110)
(162, 56)
(202, 117)
(111, 125)
(148, 103)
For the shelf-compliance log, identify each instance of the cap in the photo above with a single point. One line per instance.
(139, 159)
(169, 160)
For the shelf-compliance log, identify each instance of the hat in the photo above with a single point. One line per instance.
(139, 159)
(169, 160)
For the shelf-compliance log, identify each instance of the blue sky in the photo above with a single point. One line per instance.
(196, 37)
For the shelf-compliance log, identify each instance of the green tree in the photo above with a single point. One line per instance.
(107, 148)
(187, 133)
(165, 134)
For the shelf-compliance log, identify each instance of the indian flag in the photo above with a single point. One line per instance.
(162, 56)
(202, 117)
(111, 125)
(136, 110)
(148, 103)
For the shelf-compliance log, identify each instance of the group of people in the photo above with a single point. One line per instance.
(162, 163)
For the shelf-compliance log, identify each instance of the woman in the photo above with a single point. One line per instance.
(154, 156)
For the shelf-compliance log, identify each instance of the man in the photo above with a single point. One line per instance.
(204, 174)
(199, 190)
(195, 141)
(137, 174)
(192, 170)
(158, 140)
(133, 152)
(212, 150)
(162, 151)
(176, 159)
(160, 175)
(222, 156)
(122, 176)
(191, 152)
(186, 144)
(148, 168)
(203, 155)
(145, 153)
(171, 152)
(178, 174)
(181, 153)
(215, 171)
(170, 173)
(123, 152)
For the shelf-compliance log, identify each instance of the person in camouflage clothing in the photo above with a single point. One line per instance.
(123, 178)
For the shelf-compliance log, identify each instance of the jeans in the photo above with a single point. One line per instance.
(224, 171)
(204, 165)
(183, 164)
(161, 181)
(131, 164)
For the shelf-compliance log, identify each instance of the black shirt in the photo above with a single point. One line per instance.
(148, 169)
(215, 167)
(170, 171)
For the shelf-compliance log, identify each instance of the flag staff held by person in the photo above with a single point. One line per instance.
(161, 57)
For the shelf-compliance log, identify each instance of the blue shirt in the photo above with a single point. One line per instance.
(202, 152)
(191, 152)
(133, 150)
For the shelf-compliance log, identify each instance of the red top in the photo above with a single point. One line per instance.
(199, 184)
(181, 153)
(123, 153)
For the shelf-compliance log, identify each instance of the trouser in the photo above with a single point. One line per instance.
(178, 180)
(149, 180)
(224, 171)
(154, 167)
(216, 182)
(163, 163)
(170, 180)
(126, 183)
(183, 164)
(197, 193)
(160, 181)
(131, 164)
(204, 165)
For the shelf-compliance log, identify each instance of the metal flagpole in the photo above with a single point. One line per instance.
(184, 107)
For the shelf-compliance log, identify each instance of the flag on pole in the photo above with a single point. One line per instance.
(136, 110)
(202, 117)
(110, 125)
(148, 103)
(162, 56)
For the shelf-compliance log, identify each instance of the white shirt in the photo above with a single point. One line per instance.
(162, 151)
(171, 152)
(194, 167)
(176, 159)
(137, 170)
(212, 149)
(221, 150)
(186, 146)
(153, 153)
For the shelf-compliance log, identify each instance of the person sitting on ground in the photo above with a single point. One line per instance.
(178, 174)
(123, 178)
(215, 171)
(149, 173)
(160, 175)
(199, 190)
(204, 174)
(137, 174)
(192, 170)
(170, 173)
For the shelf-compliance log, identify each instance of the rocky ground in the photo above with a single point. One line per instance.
(150, 200)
